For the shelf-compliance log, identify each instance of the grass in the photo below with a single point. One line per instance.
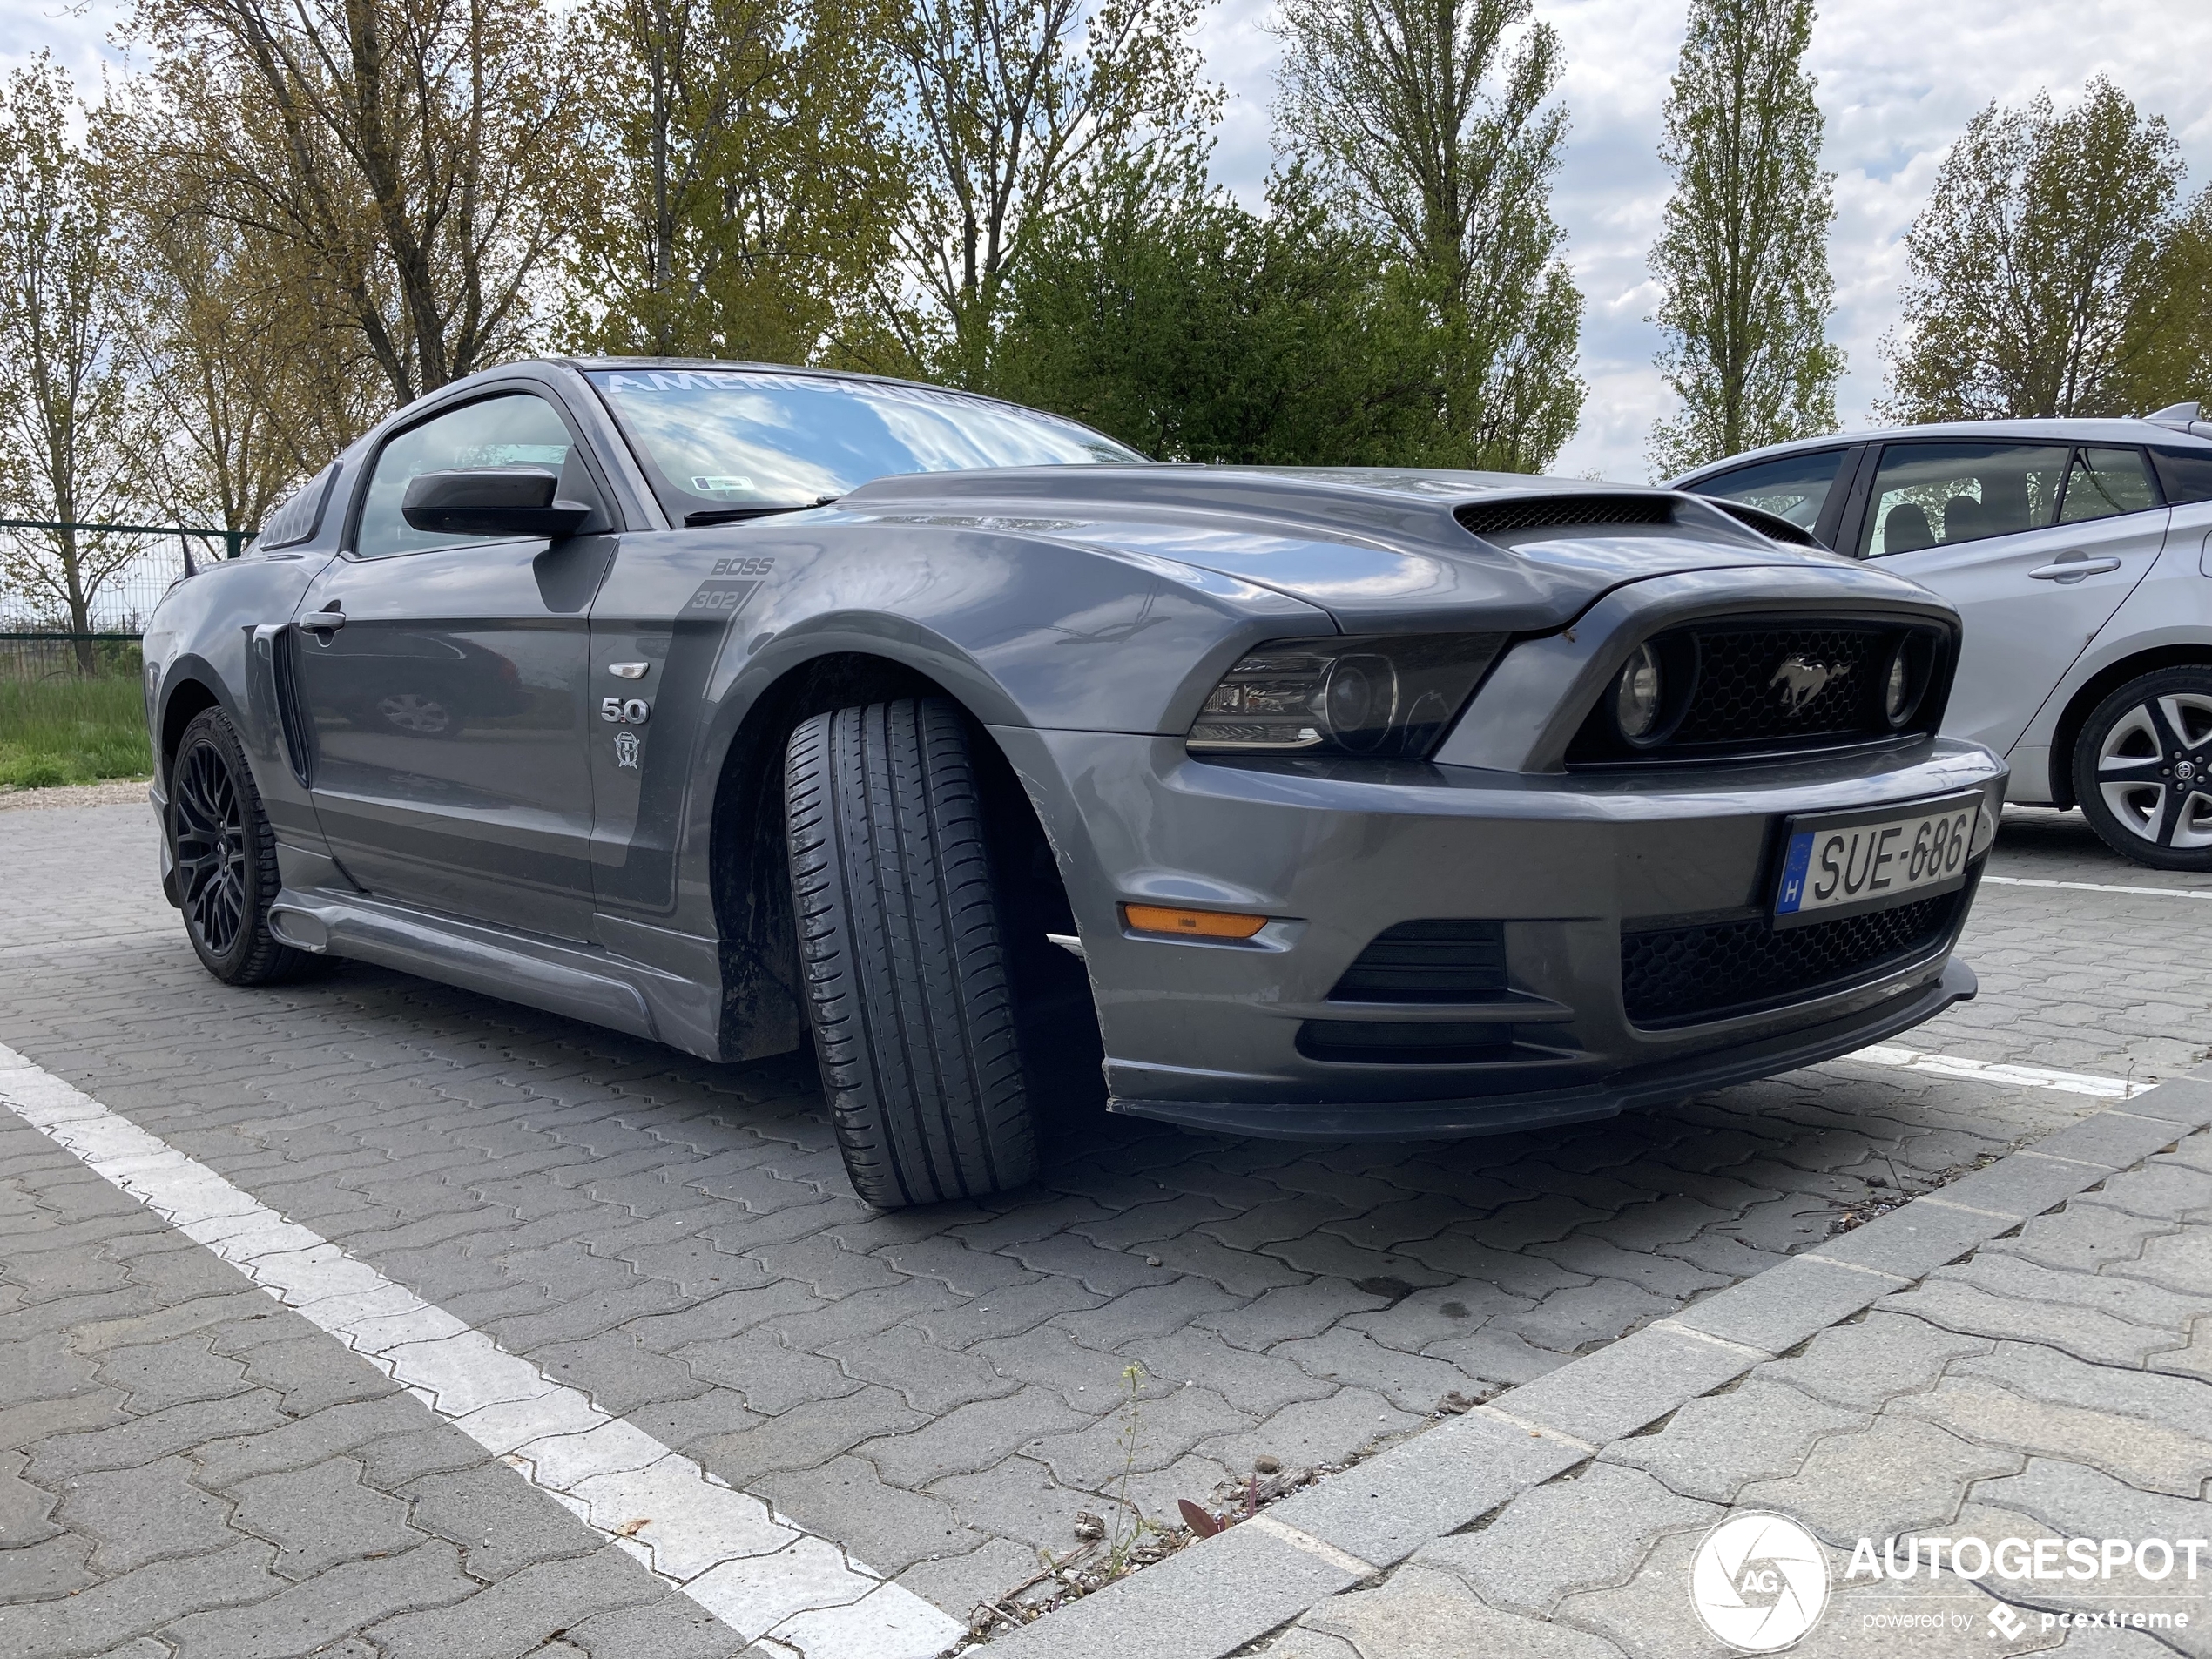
(71, 731)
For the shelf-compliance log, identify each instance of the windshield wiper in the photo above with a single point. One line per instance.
(732, 515)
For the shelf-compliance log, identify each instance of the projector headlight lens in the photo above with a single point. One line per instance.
(1383, 695)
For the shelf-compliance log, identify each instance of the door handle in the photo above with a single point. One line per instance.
(322, 621)
(2073, 570)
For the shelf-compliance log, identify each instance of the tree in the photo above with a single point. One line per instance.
(1743, 259)
(742, 177)
(244, 386)
(65, 405)
(1011, 102)
(408, 153)
(1428, 118)
(2165, 352)
(2037, 245)
(1162, 311)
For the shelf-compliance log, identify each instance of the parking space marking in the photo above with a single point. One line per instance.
(2095, 886)
(1990, 1071)
(767, 1578)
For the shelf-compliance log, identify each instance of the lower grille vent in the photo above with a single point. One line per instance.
(1389, 1042)
(1429, 961)
(1679, 976)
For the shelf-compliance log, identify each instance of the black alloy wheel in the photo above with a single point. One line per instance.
(2142, 770)
(226, 874)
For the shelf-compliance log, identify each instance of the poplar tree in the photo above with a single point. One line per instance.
(1432, 123)
(1743, 259)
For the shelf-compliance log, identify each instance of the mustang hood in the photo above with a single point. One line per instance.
(1382, 550)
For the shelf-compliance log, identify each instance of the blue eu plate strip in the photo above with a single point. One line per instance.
(1793, 873)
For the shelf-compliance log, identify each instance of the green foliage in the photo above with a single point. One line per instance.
(2166, 355)
(72, 732)
(740, 177)
(1744, 257)
(1163, 312)
(1430, 120)
(2039, 244)
(1014, 107)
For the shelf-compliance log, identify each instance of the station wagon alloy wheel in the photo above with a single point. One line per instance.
(2143, 769)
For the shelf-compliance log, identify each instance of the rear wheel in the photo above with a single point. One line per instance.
(2142, 769)
(901, 943)
(227, 870)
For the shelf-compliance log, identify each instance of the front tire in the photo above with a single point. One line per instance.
(901, 946)
(2142, 769)
(226, 853)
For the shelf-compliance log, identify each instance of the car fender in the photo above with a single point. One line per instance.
(1021, 632)
(223, 629)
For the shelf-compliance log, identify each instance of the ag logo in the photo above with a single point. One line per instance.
(1759, 1582)
(626, 749)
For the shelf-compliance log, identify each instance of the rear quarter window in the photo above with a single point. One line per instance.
(2184, 475)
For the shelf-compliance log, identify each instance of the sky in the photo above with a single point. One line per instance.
(1898, 80)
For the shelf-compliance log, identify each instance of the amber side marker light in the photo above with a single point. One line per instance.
(1192, 924)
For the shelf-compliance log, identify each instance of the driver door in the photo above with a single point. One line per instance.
(444, 680)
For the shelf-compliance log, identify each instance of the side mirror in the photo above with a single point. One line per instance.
(492, 500)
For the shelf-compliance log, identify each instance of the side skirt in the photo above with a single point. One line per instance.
(577, 982)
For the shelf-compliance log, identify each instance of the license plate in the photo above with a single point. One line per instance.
(1838, 863)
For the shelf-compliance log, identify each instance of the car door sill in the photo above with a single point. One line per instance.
(577, 981)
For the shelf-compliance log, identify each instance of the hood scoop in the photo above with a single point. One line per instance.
(1540, 513)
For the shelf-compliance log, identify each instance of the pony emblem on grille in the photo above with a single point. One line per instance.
(1803, 679)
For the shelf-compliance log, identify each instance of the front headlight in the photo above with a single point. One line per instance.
(1376, 694)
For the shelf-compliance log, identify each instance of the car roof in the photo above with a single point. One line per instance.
(2081, 431)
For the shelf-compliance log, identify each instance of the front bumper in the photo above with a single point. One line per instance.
(1217, 1034)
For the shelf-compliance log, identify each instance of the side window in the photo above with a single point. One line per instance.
(2186, 475)
(1795, 487)
(1933, 494)
(2103, 483)
(498, 432)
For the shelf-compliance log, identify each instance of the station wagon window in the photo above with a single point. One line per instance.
(1934, 495)
(1793, 487)
(2103, 483)
(510, 430)
(727, 441)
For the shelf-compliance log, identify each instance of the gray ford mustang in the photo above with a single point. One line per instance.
(729, 705)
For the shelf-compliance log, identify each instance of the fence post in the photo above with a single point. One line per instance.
(235, 541)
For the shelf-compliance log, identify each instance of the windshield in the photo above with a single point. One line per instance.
(726, 441)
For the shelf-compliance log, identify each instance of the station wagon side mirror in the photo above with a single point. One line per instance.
(493, 501)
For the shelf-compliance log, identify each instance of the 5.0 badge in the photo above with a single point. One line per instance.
(624, 710)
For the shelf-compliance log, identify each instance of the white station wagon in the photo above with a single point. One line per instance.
(2079, 554)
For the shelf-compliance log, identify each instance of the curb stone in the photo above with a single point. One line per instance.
(1217, 1596)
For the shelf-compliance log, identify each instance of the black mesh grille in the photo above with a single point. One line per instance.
(1429, 961)
(1564, 512)
(1674, 975)
(1735, 690)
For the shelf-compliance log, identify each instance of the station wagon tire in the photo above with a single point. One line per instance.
(227, 869)
(2142, 769)
(905, 967)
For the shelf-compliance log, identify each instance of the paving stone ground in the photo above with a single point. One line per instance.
(185, 1468)
(2056, 1384)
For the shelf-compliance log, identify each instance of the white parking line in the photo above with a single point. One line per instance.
(2095, 886)
(1989, 1071)
(758, 1573)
